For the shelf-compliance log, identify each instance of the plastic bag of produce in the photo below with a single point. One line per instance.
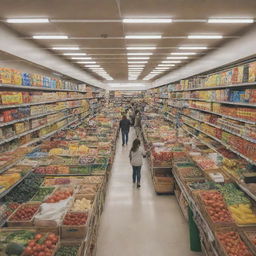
(51, 214)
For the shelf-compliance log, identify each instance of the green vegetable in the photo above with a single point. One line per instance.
(232, 195)
(19, 237)
(14, 249)
(25, 190)
(42, 193)
(67, 251)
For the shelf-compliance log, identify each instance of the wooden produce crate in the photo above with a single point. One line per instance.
(220, 246)
(250, 239)
(28, 223)
(163, 180)
(74, 231)
(71, 243)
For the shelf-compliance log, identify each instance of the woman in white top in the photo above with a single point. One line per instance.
(136, 158)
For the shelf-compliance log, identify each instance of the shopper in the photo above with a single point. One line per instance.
(124, 126)
(131, 116)
(136, 158)
(137, 123)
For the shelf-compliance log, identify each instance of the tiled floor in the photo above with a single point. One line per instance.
(137, 222)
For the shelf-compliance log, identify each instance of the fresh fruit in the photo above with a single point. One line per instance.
(233, 244)
(215, 206)
(25, 212)
(59, 195)
(75, 219)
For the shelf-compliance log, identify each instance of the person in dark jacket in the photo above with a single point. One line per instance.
(124, 126)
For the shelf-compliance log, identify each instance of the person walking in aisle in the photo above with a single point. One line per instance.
(137, 123)
(124, 126)
(136, 156)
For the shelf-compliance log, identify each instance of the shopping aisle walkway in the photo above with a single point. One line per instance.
(137, 222)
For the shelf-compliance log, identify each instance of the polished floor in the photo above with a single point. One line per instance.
(137, 222)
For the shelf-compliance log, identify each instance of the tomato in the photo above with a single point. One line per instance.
(28, 251)
(41, 254)
(48, 243)
(38, 236)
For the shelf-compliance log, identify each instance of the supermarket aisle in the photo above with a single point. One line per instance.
(137, 222)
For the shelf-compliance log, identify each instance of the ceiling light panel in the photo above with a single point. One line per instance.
(174, 61)
(92, 66)
(49, 37)
(81, 58)
(139, 62)
(230, 20)
(86, 62)
(143, 36)
(66, 48)
(166, 65)
(193, 47)
(40, 20)
(147, 20)
(205, 37)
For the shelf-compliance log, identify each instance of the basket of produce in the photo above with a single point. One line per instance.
(14, 241)
(82, 203)
(23, 216)
(190, 173)
(44, 243)
(230, 243)
(74, 225)
(70, 248)
(195, 187)
(42, 193)
(163, 182)
(242, 209)
(214, 209)
(88, 189)
(250, 239)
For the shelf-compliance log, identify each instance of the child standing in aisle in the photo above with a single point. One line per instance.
(136, 158)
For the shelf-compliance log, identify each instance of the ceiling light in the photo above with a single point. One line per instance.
(193, 47)
(230, 20)
(162, 68)
(138, 58)
(141, 48)
(183, 53)
(143, 37)
(110, 78)
(147, 20)
(81, 58)
(92, 66)
(178, 58)
(173, 61)
(136, 66)
(139, 53)
(27, 20)
(66, 48)
(86, 62)
(74, 54)
(139, 62)
(132, 69)
(97, 69)
(205, 36)
(50, 37)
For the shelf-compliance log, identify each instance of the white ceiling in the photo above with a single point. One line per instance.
(100, 32)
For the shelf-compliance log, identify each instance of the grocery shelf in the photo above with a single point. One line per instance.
(33, 130)
(217, 87)
(226, 116)
(4, 193)
(37, 88)
(38, 103)
(224, 144)
(222, 102)
(222, 128)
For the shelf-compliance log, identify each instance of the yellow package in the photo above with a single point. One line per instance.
(5, 76)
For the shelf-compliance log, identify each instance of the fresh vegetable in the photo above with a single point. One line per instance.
(42, 245)
(67, 251)
(25, 212)
(19, 237)
(42, 193)
(81, 205)
(14, 249)
(25, 190)
(59, 195)
(215, 206)
(75, 219)
(233, 244)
